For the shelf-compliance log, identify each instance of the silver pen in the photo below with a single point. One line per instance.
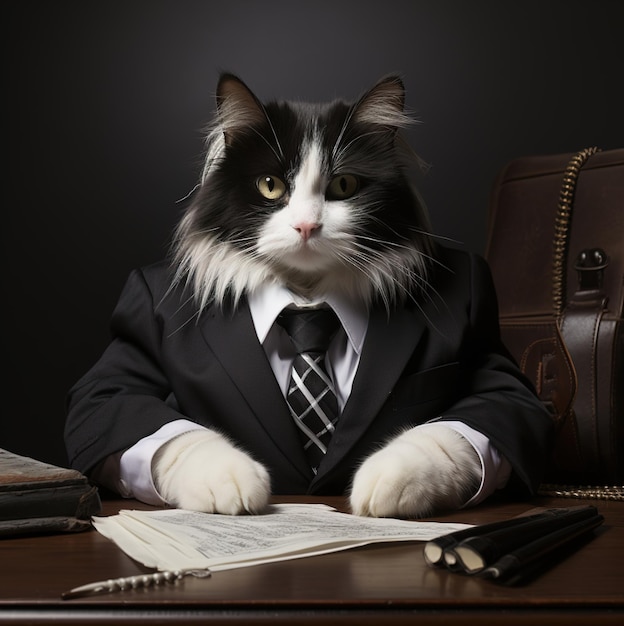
(133, 582)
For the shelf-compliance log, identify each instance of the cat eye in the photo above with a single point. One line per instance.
(342, 187)
(271, 187)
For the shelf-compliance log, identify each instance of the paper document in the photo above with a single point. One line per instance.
(177, 539)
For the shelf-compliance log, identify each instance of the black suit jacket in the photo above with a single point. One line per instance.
(438, 356)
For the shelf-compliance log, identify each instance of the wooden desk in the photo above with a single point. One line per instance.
(374, 585)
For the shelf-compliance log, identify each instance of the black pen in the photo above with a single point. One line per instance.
(527, 559)
(478, 552)
(434, 550)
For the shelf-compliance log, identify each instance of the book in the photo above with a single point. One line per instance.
(38, 497)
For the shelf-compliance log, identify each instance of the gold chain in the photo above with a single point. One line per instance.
(562, 226)
(591, 493)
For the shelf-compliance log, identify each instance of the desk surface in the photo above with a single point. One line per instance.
(362, 586)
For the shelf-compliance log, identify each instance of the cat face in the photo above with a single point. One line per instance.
(315, 197)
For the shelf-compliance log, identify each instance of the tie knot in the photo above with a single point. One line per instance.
(310, 330)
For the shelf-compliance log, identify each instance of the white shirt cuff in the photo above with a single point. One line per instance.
(495, 468)
(135, 465)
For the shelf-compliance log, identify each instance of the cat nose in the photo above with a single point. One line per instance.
(305, 229)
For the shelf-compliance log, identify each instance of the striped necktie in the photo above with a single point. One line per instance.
(311, 394)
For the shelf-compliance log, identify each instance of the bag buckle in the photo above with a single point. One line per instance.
(590, 265)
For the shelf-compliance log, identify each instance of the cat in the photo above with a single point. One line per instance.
(316, 198)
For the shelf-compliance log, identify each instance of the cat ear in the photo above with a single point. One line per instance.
(383, 104)
(237, 107)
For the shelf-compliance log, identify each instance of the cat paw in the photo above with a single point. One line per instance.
(202, 471)
(421, 471)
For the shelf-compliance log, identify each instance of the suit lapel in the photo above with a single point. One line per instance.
(233, 340)
(390, 342)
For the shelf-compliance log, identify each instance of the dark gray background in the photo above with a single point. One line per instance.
(105, 102)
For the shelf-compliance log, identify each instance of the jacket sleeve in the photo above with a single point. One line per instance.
(125, 396)
(499, 400)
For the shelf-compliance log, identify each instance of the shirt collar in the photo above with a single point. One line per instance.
(267, 302)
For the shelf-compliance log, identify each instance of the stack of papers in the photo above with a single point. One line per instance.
(176, 539)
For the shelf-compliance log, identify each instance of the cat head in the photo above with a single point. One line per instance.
(315, 197)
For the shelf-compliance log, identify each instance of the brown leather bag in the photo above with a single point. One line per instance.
(556, 249)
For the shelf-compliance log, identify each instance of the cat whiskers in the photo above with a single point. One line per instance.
(277, 141)
(372, 277)
(279, 156)
(421, 231)
(425, 256)
(343, 130)
(423, 252)
(387, 244)
(244, 240)
(426, 289)
(189, 194)
(413, 273)
(195, 316)
(379, 271)
(337, 155)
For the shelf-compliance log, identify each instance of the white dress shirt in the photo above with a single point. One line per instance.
(342, 361)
